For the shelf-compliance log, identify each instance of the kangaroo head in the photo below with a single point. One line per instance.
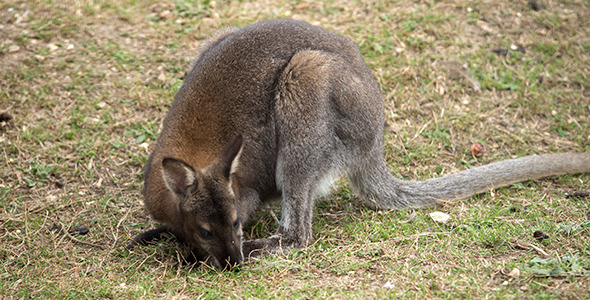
(206, 205)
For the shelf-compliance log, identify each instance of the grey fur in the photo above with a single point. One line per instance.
(309, 110)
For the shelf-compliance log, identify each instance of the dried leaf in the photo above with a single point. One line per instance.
(439, 217)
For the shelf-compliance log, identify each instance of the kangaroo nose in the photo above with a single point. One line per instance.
(233, 257)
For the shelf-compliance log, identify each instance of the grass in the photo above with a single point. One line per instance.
(88, 84)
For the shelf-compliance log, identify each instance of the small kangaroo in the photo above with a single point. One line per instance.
(280, 109)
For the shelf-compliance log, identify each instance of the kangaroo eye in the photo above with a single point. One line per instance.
(237, 223)
(206, 234)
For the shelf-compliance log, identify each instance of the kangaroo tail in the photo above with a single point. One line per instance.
(381, 190)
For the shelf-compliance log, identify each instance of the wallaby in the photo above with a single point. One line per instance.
(280, 109)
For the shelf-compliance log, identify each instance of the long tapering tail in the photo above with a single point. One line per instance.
(381, 190)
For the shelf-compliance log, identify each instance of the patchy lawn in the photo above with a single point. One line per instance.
(85, 85)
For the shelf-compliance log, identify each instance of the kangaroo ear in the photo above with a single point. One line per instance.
(228, 158)
(178, 176)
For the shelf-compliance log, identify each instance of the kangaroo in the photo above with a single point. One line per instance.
(280, 109)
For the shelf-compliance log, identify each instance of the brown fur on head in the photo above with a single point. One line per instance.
(205, 205)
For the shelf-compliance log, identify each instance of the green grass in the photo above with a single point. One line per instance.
(90, 83)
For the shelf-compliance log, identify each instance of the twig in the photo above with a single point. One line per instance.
(272, 213)
(525, 245)
(411, 217)
(539, 250)
(83, 242)
(417, 235)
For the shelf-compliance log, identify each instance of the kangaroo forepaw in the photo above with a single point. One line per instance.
(276, 244)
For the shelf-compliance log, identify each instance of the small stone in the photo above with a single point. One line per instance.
(59, 184)
(55, 228)
(13, 48)
(52, 47)
(165, 14)
(80, 230)
(540, 235)
(536, 6)
(5, 117)
(388, 285)
(514, 273)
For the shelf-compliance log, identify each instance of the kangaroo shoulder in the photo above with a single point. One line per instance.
(212, 41)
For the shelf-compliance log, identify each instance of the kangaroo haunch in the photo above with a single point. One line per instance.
(280, 109)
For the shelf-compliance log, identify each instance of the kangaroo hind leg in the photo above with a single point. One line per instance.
(309, 153)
